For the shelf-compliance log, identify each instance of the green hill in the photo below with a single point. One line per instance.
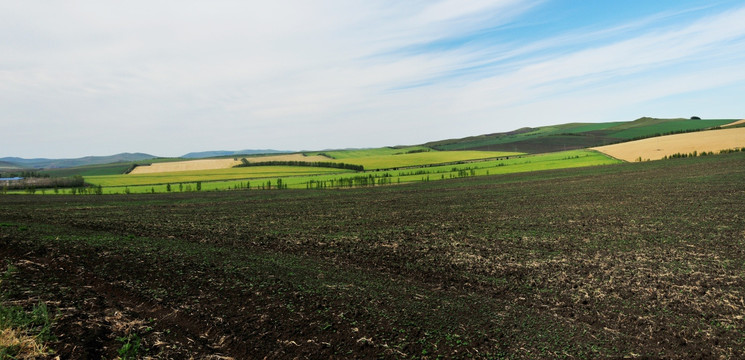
(575, 135)
(65, 163)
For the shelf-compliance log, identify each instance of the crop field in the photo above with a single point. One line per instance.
(358, 153)
(189, 165)
(207, 175)
(628, 260)
(217, 164)
(659, 147)
(305, 177)
(422, 158)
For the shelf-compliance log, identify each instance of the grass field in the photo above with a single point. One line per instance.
(659, 147)
(634, 260)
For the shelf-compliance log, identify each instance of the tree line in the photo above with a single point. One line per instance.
(43, 183)
(324, 164)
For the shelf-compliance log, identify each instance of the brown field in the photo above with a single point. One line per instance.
(738, 122)
(636, 260)
(658, 147)
(214, 164)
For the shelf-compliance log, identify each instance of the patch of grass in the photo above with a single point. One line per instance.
(22, 333)
(131, 346)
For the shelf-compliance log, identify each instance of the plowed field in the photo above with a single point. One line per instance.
(630, 260)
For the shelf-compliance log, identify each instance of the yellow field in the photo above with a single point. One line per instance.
(216, 164)
(658, 147)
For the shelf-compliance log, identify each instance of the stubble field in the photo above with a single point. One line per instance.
(659, 147)
(630, 260)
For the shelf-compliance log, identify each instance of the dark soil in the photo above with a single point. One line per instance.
(636, 260)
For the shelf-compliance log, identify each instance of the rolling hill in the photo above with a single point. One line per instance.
(217, 153)
(528, 140)
(575, 135)
(43, 163)
(660, 147)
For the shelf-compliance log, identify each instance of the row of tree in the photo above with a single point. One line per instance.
(43, 183)
(180, 187)
(702, 153)
(355, 181)
(24, 174)
(324, 164)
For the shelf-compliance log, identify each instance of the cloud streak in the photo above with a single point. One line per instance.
(174, 77)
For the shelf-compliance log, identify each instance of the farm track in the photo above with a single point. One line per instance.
(630, 260)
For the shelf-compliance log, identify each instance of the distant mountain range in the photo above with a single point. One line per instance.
(529, 140)
(16, 162)
(209, 154)
(21, 164)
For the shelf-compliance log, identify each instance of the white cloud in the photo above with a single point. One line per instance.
(294, 74)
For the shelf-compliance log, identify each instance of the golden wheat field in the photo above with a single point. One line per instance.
(658, 147)
(214, 164)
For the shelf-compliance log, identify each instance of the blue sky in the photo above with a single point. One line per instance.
(82, 78)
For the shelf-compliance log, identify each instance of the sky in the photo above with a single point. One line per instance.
(80, 78)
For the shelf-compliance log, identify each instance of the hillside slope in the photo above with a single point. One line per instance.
(43, 163)
(659, 147)
(575, 135)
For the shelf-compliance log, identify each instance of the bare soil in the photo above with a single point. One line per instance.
(641, 260)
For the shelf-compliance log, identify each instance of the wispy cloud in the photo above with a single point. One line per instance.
(336, 73)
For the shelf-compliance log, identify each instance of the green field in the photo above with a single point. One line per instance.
(665, 127)
(391, 161)
(253, 172)
(304, 177)
(554, 147)
(360, 153)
